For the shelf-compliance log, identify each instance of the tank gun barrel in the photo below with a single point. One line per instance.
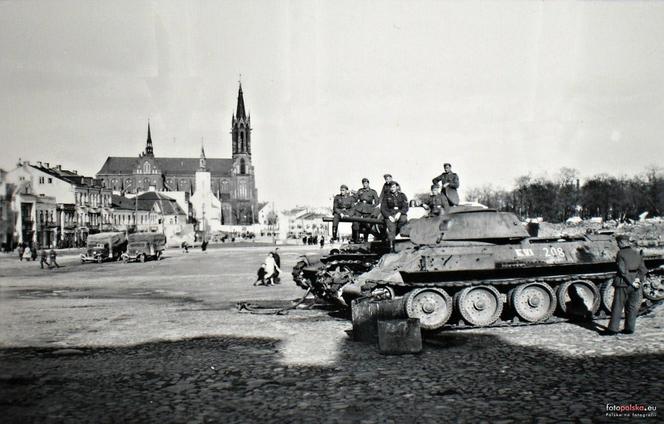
(355, 219)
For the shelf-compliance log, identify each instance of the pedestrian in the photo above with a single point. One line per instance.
(260, 280)
(52, 256)
(270, 269)
(34, 252)
(322, 242)
(627, 283)
(185, 246)
(342, 207)
(450, 184)
(304, 240)
(44, 258)
(21, 251)
(277, 261)
(27, 253)
(204, 245)
(394, 209)
(366, 207)
(437, 202)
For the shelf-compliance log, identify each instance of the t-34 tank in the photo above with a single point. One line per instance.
(480, 267)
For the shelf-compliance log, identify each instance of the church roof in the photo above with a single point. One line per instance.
(218, 167)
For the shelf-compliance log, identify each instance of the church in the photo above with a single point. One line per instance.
(230, 181)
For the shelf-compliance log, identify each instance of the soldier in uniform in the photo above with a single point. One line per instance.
(628, 292)
(386, 187)
(366, 207)
(394, 208)
(437, 202)
(450, 182)
(342, 207)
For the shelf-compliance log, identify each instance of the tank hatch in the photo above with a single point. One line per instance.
(474, 224)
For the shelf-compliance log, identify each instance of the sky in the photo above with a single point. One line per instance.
(338, 90)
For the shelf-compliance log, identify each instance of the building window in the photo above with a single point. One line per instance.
(243, 167)
(41, 180)
(146, 168)
(50, 180)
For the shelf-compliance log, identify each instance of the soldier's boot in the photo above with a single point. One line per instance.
(366, 236)
(355, 236)
(334, 234)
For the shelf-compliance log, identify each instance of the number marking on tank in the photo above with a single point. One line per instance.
(554, 252)
(524, 252)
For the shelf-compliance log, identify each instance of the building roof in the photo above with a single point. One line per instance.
(68, 176)
(218, 167)
(167, 205)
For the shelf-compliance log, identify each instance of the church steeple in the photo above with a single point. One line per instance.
(241, 127)
(202, 161)
(148, 145)
(240, 112)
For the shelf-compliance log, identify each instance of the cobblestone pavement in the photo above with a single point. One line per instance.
(162, 342)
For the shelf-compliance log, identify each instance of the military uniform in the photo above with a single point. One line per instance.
(392, 204)
(630, 266)
(341, 205)
(367, 201)
(385, 190)
(451, 190)
(437, 203)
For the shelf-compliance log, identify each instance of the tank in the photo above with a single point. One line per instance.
(478, 267)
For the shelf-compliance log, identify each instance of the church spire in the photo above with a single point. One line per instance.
(240, 113)
(148, 145)
(202, 161)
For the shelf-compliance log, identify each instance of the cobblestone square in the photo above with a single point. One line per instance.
(163, 342)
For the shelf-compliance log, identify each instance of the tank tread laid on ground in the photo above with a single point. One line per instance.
(478, 267)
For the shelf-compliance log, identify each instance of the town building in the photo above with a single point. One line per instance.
(150, 212)
(83, 204)
(230, 180)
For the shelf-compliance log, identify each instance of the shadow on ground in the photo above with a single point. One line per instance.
(458, 377)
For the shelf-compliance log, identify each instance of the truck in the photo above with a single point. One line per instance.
(144, 246)
(104, 247)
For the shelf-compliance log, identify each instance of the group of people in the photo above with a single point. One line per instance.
(268, 273)
(47, 257)
(391, 206)
(313, 241)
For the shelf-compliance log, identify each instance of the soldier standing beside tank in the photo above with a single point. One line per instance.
(628, 293)
(342, 207)
(437, 202)
(394, 208)
(366, 207)
(450, 182)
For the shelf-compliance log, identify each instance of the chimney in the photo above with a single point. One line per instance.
(74, 172)
(26, 162)
(47, 165)
(58, 167)
(39, 164)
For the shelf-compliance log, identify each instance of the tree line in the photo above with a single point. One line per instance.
(562, 196)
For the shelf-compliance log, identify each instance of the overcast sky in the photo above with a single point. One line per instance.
(338, 90)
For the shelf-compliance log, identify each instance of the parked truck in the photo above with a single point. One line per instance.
(104, 247)
(144, 246)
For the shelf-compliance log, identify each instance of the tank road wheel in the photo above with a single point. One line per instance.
(433, 307)
(606, 291)
(533, 302)
(382, 293)
(653, 288)
(481, 305)
(572, 293)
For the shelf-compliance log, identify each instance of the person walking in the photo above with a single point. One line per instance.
(27, 253)
(628, 291)
(52, 256)
(21, 251)
(322, 242)
(277, 261)
(44, 258)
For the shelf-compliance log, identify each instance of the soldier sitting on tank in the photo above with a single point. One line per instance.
(386, 187)
(366, 207)
(342, 207)
(437, 202)
(450, 182)
(394, 209)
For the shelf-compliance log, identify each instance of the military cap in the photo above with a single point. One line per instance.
(387, 175)
(343, 187)
(622, 238)
(365, 180)
(447, 164)
(434, 186)
(394, 183)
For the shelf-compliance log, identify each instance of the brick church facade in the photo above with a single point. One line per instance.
(232, 179)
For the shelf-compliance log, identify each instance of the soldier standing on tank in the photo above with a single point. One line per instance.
(394, 208)
(342, 207)
(386, 187)
(366, 207)
(450, 182)
(437, 202)
(627, 283)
